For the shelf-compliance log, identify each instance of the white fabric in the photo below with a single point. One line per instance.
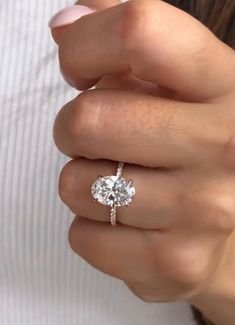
(42, 281)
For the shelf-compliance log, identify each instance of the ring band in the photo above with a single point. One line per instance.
(113, 191)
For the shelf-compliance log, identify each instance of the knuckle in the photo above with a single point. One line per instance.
(56, 132)
(77, 240)
(190, 270)
(223, 211)
(61, 130)
(71, 69)
(83, 125)
(66, 182)
(77, 121)
(141, 291)
(65, 61)
(72, 234)
(183, 266)
(134, 22)
(215, 206)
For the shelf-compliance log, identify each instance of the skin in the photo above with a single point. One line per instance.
(163, 104)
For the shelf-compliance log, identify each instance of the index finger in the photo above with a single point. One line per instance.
(156, 41)
(138, 129)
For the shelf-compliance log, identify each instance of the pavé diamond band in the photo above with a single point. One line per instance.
(113, 191)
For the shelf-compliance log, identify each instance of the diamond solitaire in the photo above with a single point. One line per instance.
(113, 191)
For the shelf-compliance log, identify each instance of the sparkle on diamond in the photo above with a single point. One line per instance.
(113, 191)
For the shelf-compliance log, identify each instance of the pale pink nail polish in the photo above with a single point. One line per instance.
(69, 15)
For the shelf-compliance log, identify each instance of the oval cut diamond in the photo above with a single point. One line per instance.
(113, 191)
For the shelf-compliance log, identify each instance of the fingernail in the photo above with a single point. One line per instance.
(69, 15)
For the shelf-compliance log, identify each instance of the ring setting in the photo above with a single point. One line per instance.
(113, 191)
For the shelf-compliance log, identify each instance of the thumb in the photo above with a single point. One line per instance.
(59, 22)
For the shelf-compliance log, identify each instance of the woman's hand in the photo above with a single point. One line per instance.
(167, 110)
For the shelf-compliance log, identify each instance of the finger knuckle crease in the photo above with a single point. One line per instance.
(66, 186)
(83, 124)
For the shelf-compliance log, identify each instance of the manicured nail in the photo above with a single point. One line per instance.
(69, 15)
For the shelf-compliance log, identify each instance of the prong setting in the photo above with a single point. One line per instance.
(113, 191)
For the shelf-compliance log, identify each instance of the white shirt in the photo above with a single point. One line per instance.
(42, 281)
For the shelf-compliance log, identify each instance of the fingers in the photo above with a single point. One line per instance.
(136, 128)
(154, 205)
(161, 265)
(118, 251)
(156, 41)
(68, 16)
(118, 81)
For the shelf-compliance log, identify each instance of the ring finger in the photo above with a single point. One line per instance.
(153, 206)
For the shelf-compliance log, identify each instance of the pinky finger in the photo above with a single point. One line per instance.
(122, 251)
